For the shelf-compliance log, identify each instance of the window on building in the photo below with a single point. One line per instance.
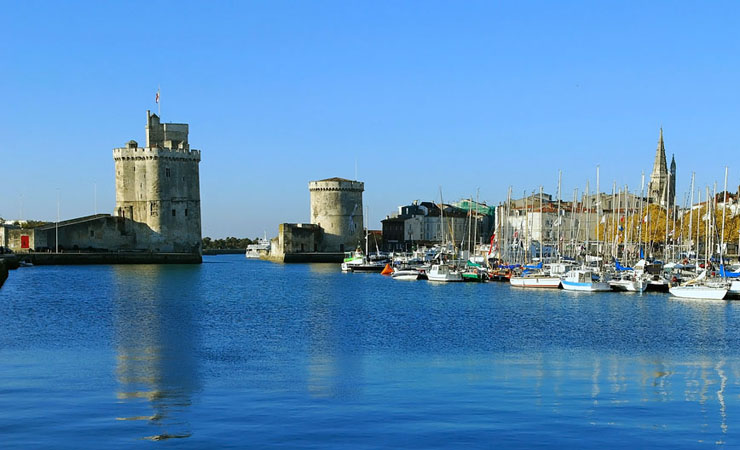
(92, 233)
(153, 210)
(173, 213)
(186, 212)
(167, 172)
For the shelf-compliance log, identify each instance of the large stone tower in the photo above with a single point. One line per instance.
(158, 188)
(336, 206)
(658, 187)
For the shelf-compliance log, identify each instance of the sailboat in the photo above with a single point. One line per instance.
(699, 288)
(536, 277)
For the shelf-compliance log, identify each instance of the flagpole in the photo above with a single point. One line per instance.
(159, 103)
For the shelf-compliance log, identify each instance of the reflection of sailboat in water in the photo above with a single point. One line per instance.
(155, 341)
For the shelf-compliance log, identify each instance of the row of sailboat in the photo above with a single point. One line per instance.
(681, 279)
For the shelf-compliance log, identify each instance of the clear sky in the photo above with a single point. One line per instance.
(416, 95)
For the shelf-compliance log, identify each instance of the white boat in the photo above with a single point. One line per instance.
(352, 259)
(584, 280)
(536, 280)
(734, 290)
(629, 282)
(405, 274)
(699, 291)
(698, 288)
(444, 273)
(261, 248)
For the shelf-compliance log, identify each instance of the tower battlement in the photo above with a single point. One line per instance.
(139, 153)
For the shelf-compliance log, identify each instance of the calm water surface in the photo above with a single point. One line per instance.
(237, 353)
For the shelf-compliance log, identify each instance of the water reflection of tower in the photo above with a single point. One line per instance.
(335, 368)
(156, 341)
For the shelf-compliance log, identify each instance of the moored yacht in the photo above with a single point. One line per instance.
(261, 248)
(629, 282)
(700, 288)
(444, 273)
(584, 280)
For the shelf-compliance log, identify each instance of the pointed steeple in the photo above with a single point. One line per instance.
(659, 175)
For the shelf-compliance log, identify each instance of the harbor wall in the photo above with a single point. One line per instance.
(308, 257)
(3, 272)
(44, 259)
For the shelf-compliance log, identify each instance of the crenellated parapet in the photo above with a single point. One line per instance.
(336, 184)
(142, 154)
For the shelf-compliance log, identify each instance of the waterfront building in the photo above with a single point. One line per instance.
(426, 223)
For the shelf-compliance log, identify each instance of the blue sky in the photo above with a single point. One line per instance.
(463, 95)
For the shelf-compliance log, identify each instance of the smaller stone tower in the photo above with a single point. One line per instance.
(336, 206)
(158, 188)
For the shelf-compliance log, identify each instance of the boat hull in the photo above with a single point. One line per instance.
(405, 275)
(447, 278)
(596, 286)
(628, 286)
(535, 282)
(698, 292)
(734, 290)
(367, 268)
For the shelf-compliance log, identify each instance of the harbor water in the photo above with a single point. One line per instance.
(249, 354)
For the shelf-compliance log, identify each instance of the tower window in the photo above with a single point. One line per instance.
(173, 213)
(167, 172)
(186, 211)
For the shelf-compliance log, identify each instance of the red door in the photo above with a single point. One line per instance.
(25, 241)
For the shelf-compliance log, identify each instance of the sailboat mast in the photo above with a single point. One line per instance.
(572, 222)
(665, 245)
(542, 231)
(475, 230)
(441, 217)
(588, 220)
(691, 214)
(559, 247)
(698, 223)
(598, 211)
(722, 236)
(642, 220)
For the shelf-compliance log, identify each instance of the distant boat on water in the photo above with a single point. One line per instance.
(261, 248)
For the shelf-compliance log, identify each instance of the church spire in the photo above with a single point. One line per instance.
(659, 176)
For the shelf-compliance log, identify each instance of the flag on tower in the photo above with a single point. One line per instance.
(156, 97)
